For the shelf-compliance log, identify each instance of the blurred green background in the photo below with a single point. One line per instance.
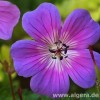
(65, 7)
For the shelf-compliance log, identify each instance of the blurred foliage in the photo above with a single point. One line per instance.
(68, 6)
(65, 8)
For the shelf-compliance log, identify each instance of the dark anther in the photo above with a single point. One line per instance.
(66, 56)
(56, 43)
(65, 51)
(53, 57)
(65, 45)
(61, 57)
(52, 51)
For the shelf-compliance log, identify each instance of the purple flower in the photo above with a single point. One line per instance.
(57, 52)
(9, 16)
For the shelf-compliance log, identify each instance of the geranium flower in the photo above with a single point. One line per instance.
(57, 52)
(9, 16)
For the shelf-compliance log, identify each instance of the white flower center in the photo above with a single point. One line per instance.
(58, 50)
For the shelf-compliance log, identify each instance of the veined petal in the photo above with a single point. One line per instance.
(29, 57)
(9, 16)
(80, 67)
(51, 81)
(43, 24)
(80, 30)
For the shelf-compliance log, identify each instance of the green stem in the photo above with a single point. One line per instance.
(11, 86)
(9, 72)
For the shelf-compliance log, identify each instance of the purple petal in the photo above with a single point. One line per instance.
(29, 57)
(80, 30)
(43, 24)
(97, 58)
(9, 16)
(52, 80)
(80, 68)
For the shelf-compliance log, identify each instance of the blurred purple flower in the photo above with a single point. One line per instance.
(9, 16)
(57, 52)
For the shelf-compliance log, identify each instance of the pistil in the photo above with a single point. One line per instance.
(59, 50)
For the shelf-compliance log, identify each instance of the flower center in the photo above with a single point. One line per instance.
(58, 50)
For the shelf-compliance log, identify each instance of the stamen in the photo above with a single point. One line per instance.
(61, 57)
(54, 57)
(52, 51)
(58, 42)
(59, 50)
(64, 55)
(64, 45)
(65, 49)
